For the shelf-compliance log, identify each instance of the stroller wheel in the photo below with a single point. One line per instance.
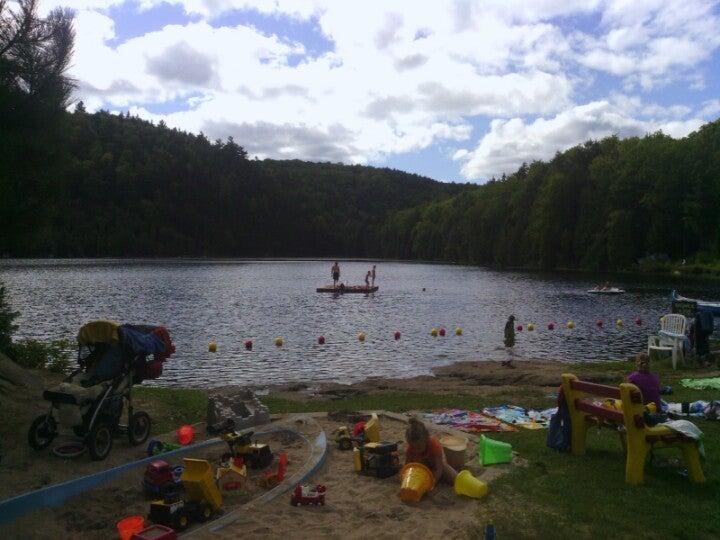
(138, 428)
(99, 441)
(42, 432)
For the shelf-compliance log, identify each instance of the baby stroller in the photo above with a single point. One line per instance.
(111, 358)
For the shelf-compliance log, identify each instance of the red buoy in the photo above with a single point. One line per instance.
(519, 328)
(599, 324)
(442, 331)
(321, 340)
(638, 321)
(248, 345)
(551, 326)
(397, 335)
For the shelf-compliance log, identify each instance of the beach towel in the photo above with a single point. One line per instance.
(517, 416)
(468, 421)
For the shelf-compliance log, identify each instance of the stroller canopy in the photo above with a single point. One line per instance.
(140, 340)
(96, 332)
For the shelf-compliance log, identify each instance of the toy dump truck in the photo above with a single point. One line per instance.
(200, 501)
(256, 455)
(379, 459)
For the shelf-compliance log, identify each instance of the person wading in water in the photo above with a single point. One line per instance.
(509, 339)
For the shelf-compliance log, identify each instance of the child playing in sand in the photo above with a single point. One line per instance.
(648, 383)
(426, 449)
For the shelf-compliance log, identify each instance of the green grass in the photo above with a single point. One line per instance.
(171, 407)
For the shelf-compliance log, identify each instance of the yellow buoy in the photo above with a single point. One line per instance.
(212, 346)
(279, 341)
(570, 325)
(458, 331)
(619, 322)
(530, 327)
(434, 332)
(361, 336)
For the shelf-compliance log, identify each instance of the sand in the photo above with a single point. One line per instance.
(356, 505)
(359, 506)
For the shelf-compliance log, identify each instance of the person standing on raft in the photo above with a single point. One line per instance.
(372, 275)
(426, 449)
(335, 272)
(367, 280)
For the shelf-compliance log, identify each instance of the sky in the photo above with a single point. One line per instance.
(454, 90)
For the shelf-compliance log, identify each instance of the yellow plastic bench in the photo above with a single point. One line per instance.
(639, 438)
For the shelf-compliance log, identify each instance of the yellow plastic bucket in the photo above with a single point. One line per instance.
(415, 481)
(372, 429)
(467, 484)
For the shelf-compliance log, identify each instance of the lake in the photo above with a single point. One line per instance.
(233, 301)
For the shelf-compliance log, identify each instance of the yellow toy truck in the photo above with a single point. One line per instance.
(200, 502)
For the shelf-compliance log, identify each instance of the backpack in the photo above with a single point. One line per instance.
(559, 430)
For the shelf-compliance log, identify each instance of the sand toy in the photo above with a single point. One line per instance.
(491, 452)
(415, 481)
(467, 484)
(130, 525)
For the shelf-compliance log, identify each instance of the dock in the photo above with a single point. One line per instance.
(348, 289)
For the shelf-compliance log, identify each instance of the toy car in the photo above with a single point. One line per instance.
(160, 478)
(305, 495)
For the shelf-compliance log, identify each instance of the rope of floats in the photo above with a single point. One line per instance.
(438, 332)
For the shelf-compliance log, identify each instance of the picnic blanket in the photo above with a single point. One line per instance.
(518, 416)
(712, 383)
(469, 421)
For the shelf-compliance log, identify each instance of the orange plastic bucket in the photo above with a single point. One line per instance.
(415, 481)
(130, 525)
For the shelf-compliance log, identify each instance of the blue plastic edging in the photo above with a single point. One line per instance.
(55, 495)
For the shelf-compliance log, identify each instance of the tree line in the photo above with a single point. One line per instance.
(89, 185)
(603, 205)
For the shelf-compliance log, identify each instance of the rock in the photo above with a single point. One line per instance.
(13, 375)
(237, 404)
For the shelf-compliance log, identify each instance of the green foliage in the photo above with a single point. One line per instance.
(7, 318)
(33, 354)
(603, 205)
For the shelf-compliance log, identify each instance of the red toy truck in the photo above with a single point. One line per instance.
(304, 495)
(160, 478)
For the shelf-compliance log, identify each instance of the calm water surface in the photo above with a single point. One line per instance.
(230, 302)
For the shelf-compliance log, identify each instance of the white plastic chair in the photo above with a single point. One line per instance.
(671, 337)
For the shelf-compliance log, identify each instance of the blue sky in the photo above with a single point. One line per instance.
(459, 90)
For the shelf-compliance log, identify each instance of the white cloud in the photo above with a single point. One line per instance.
(710, 109)
(403, 75)
(509, 143)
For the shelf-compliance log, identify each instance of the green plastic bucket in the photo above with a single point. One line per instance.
(491, 451)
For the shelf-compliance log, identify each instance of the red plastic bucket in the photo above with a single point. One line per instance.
(130, 525)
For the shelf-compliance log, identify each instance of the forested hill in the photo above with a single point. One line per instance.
(114, 185)
(604, 205)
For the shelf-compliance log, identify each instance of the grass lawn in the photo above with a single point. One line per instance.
(557, 495)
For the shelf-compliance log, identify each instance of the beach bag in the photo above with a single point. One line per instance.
(559, 430)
